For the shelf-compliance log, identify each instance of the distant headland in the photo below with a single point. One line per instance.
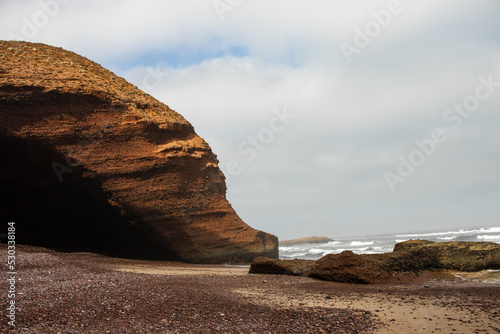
(306, 240)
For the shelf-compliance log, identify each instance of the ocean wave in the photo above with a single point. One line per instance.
(384, 244)
(488, 237)
(382, 249)
(293, 255)
(317, 251)
(461, 231)
(448, 238)
(362, 243)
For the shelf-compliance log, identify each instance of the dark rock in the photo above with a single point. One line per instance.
(264, 265)
(348, 267)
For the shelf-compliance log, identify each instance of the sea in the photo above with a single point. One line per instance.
(385, 244)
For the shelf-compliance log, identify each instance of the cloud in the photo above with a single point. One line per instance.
(324, 173)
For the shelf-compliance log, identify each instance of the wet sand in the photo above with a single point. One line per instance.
(90, 293)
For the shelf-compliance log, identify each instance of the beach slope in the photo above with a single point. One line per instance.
(90, 293)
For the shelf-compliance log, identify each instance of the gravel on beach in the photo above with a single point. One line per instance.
(84, 293)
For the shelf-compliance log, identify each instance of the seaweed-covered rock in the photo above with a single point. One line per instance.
(453, 255)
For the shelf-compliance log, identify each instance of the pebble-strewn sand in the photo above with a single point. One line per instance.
(88, 293)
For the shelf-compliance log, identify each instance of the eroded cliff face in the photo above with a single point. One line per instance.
(88, 160)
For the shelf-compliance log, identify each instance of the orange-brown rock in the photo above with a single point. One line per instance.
(89, 161)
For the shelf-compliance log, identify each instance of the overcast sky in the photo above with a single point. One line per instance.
(338, 118)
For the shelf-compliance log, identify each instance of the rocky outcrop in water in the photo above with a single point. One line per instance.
(410, 257)
(306, 240)
(88, 161)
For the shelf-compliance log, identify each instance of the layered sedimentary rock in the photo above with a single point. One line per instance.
(88, 160)
(409, 257)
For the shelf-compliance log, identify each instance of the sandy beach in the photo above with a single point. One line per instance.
(91, 293)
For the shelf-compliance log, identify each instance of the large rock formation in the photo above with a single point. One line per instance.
(348, 267)
(89, 161)
(409, 257)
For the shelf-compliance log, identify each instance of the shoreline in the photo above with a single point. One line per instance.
(92, 293)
